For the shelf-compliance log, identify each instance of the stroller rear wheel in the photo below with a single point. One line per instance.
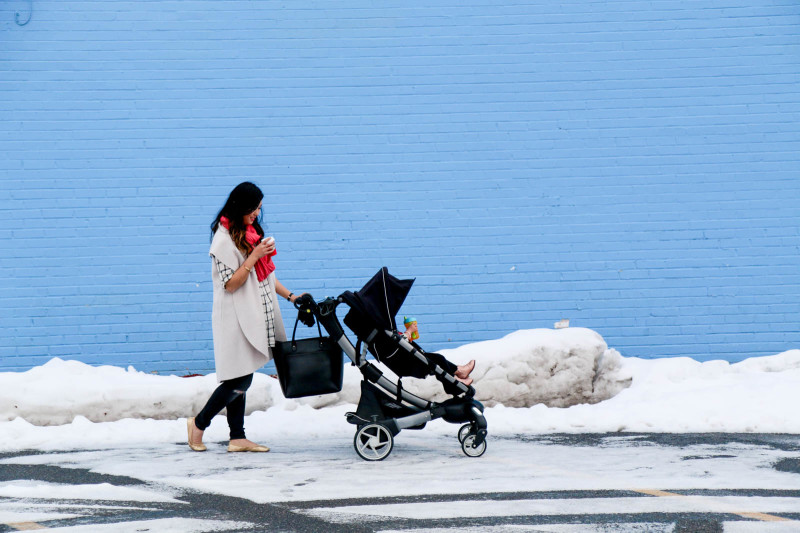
(469, 448)
(373, 442)
(465, 430)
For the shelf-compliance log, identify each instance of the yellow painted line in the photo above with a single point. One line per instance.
(653, 492)
(26, 526)
(764, 517)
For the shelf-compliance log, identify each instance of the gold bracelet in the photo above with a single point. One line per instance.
(247, 268)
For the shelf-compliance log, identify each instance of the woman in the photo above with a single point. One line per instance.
(246, 320)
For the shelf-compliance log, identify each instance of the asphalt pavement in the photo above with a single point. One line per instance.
(684, 510)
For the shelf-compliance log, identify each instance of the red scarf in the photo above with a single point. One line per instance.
(264, 266)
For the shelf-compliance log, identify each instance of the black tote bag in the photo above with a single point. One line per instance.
(308, 367)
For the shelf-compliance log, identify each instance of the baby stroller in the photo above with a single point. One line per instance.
(386, 407)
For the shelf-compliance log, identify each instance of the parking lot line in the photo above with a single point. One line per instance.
(763, 517)
(26, 526)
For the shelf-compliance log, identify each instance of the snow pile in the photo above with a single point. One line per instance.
(755, 395)
(758, 395)
(555, 367)
(58, 391)
(532, 381)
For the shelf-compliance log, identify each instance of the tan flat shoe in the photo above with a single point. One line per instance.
(189, 429)
(464, 371)
(254, 448)
(467, 381)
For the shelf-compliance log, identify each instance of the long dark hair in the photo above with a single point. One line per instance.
(243, 200)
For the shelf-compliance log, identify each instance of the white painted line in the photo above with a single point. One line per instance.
(545, 507)
(23, 515)
(26, 505)
(746, 526)
(37, 490)
(163, 525)
(629, 527)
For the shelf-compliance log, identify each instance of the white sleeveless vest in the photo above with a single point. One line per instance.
(237, 319)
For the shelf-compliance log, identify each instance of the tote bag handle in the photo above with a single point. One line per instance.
(294, 334)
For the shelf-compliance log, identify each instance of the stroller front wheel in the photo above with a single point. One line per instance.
(373, 442)
(469, 448)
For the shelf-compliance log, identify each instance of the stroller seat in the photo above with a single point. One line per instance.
(403, 357)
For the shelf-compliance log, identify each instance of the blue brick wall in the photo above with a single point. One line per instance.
(631, 166)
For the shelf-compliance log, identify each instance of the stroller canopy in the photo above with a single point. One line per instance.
(380, 299)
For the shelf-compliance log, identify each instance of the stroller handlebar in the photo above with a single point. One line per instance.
(304, 300)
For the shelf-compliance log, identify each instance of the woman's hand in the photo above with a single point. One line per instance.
(264, 248)
(294, 297)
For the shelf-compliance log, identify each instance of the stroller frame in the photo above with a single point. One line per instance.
(374, 438)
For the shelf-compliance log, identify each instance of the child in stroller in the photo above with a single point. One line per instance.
(385, 407)
(460, 372)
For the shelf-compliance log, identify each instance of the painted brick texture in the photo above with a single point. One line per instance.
(631, 166)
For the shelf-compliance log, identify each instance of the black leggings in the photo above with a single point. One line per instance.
(230, 394)
(404, 364)
(439, 359)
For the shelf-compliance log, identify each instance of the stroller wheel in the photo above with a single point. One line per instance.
(464, 431)
(467, 446)
(373, 442)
